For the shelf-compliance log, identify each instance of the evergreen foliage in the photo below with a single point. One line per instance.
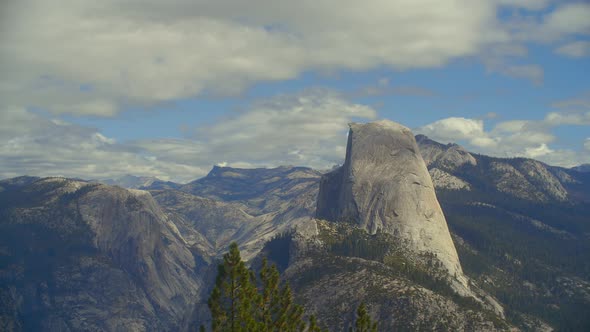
(241, 302)
(363, 321)
(528, 265)
(234, 297)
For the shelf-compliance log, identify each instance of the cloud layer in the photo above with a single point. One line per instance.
(302, 129)
(97, 57)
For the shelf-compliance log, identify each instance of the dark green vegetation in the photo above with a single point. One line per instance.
(363, 321)
(523, 234)
(242, 302)
(348, 241)
(534, 257)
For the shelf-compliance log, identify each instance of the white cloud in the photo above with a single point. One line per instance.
(524, 138)
(539, 151)
(306, 129)
(575, 49)
(455, 129)
(303, 129)
(568, 118)
(147, 52)
(33, 144)
(587, 143)
(510, 126)
(569, 19)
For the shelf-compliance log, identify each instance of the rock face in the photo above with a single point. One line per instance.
(79, 256)
(384, 185)
(140, 182)
(450, 156)
(453, 168)
(444, 180)
(248, 206)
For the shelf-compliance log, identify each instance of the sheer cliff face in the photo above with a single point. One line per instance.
(384, 185)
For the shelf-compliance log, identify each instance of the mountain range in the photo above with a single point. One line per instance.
(429, 235)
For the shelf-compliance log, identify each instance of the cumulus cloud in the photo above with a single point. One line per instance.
(539, 151)
(302, 129)
(33, 144)
(308, 128)
(575, 49)
(567, 19)
(455, 129)
(524, 138)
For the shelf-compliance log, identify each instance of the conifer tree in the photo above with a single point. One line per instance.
(237, 305)
(269, 306)
(313, 324)
(363, 321)
(290, 315)
(232, 301)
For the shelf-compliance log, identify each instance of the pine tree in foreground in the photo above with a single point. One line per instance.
(363, 321)
(240, 302)
(234, 297)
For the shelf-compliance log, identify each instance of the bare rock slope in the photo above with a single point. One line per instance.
(78, 256)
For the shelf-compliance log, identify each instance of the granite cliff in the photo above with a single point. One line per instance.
(79, 256)
(384, 185)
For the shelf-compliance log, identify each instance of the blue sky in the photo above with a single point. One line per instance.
(99, 90)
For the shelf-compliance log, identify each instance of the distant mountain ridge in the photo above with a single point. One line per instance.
(582, 168)
(453, 168)
(140, 182)
(71, 251)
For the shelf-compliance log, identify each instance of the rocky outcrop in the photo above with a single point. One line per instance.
(527, 179)
(454, 168)
(140, 182)
(248, 206)
(396, 303)
(444, 180)
(384, 185)
(449, 156)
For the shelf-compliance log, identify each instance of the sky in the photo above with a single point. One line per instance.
(100, 89)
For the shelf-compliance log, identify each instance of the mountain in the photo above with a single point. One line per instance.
(384, 186)
(383, 240)
(456, 169)
(78, 255)
(84, 256)
(8, 184)
(248, 206)
(582, 168)
(521, 229)
(140, 182)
